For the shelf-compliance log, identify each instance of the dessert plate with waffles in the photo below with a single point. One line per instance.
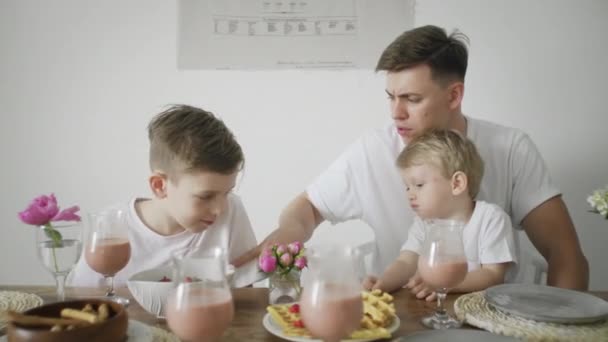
(379, 320)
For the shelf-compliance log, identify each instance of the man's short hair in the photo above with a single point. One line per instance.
(446, 55)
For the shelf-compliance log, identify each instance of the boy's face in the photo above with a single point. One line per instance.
(418, 102)
(197, 199)
(429, 192)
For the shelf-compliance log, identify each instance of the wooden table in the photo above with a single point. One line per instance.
(250, 304)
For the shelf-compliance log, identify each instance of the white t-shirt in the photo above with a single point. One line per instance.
(364, 183)
(487, 238)
(232, 231)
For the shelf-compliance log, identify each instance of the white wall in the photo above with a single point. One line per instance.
(79, 81)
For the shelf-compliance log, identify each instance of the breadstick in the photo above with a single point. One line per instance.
(56, 327)
(79, 315)
(29, 320)
(88, 308)
(104, 312)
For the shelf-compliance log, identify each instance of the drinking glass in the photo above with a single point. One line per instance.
(442, 265)
(200, 307)
(59, 255)
(331, 306)
(107, 247)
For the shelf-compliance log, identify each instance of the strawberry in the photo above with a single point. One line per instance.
(298, 324)
(295, 308)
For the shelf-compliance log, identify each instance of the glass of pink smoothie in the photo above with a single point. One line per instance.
(331, 306)
(107, 249)
(443, 266)
(200, 307)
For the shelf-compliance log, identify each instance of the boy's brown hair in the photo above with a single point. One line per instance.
(447, 150)
(185, 139)
(447, 56)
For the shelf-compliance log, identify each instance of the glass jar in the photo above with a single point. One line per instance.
(284, 288)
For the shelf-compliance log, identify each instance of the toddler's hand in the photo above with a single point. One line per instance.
(426, 293)
(419, 289)
(415, 283)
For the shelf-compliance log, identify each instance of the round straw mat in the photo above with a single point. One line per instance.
(16, 301)
(474, 310)
(162, 335)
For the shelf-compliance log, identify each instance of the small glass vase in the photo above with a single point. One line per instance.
(59, 253)
(284, 288)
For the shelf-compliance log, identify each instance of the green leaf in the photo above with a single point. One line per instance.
(53, 235)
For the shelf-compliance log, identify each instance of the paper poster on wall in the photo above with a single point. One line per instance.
(288, 34)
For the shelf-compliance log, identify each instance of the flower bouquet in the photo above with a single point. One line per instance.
(599, 201)
(283, 263)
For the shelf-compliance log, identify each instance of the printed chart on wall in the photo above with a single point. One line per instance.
(288, 34)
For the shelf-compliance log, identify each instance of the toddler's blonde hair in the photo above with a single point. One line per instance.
(447, 150)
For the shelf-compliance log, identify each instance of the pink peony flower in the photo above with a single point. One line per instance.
(301, 262)
(294, 247)
(268, 263)
(281, 258)
(286, 259)
(281, 249)
(68, 214)
(266, 252)
(44, 209)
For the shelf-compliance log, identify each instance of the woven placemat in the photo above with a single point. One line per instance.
(162, 335)
(16, 301)
(474, 310)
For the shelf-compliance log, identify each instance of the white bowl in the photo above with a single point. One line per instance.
(151, 293)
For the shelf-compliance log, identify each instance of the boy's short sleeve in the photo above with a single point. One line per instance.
(242, 239)
(496, 241)
(415, 237)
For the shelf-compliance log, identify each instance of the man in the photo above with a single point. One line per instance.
(425, 86)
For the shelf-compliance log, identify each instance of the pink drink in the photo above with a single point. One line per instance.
(331, 311)
(108, 256)
(443, 274)
(199, 314)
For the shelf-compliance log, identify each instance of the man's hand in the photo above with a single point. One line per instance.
(297, 223)
(248, 256)
(277, 236)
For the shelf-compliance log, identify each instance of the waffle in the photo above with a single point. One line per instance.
(378, 309)
(378, 314)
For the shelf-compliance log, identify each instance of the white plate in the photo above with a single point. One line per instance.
(547, 304)
(455, 335)
(136, 332)
(276, 330)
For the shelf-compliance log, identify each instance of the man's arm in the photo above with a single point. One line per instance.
(297, 223)
(552, 232)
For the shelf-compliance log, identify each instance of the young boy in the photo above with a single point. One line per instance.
(194, 162)
(442, 172)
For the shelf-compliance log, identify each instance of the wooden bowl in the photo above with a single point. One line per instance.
(112, 329)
